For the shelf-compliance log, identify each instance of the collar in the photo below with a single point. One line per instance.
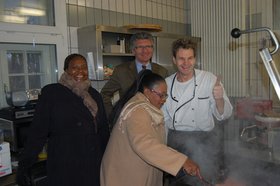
(139, 66)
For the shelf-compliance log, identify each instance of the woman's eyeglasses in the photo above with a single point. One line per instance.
(162, 96)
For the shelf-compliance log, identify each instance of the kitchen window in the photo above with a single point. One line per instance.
(33, 12)
(26, 67)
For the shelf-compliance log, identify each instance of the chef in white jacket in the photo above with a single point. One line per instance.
(195, 96)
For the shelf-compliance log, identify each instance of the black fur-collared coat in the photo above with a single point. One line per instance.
(75, 141)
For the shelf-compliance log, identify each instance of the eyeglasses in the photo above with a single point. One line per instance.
(144, 47)
(160, 95)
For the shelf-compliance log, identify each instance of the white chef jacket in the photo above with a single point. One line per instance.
(197, 114)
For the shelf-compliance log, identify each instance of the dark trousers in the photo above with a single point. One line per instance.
(204, 148)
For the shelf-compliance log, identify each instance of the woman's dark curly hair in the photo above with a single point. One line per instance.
(70, 58)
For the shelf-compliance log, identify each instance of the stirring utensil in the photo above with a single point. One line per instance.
(205, 182)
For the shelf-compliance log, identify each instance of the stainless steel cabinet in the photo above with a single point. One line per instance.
(101, 42)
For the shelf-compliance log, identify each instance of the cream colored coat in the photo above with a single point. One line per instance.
(136, 153)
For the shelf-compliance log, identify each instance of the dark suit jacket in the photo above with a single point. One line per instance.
(122, 78)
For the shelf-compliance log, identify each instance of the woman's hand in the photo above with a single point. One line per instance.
(191, 168)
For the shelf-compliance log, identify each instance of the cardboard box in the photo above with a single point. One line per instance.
(115, 48)
(112, 49)
(5, 159)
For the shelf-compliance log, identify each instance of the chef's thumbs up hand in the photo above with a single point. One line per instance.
(218, 89)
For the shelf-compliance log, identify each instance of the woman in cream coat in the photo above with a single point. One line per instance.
(137, 153)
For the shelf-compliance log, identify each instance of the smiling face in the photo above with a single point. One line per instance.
(78, 69)
(143, 50)
(158, 95)
(185, 62)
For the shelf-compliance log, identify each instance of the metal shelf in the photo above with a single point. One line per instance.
(117, 54)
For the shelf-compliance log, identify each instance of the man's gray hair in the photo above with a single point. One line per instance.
(140, 35)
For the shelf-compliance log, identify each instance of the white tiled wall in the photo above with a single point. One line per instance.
(171, 10)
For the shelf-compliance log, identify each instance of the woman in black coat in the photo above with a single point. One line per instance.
(70, 117)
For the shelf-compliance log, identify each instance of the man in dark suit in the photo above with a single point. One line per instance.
(142, 46)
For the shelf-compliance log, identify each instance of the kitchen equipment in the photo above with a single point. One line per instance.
(18, 98)
(21, 98)
(33, 94)
(15, 122)
(248, 134)
(266, 55)
(271, 133)
(247, 108)
(265, 132)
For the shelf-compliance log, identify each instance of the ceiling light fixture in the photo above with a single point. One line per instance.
(31, 11)
(13, 19)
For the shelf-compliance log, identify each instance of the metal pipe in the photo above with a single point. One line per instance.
(265, 55)
(245, 130)
(236, 33)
